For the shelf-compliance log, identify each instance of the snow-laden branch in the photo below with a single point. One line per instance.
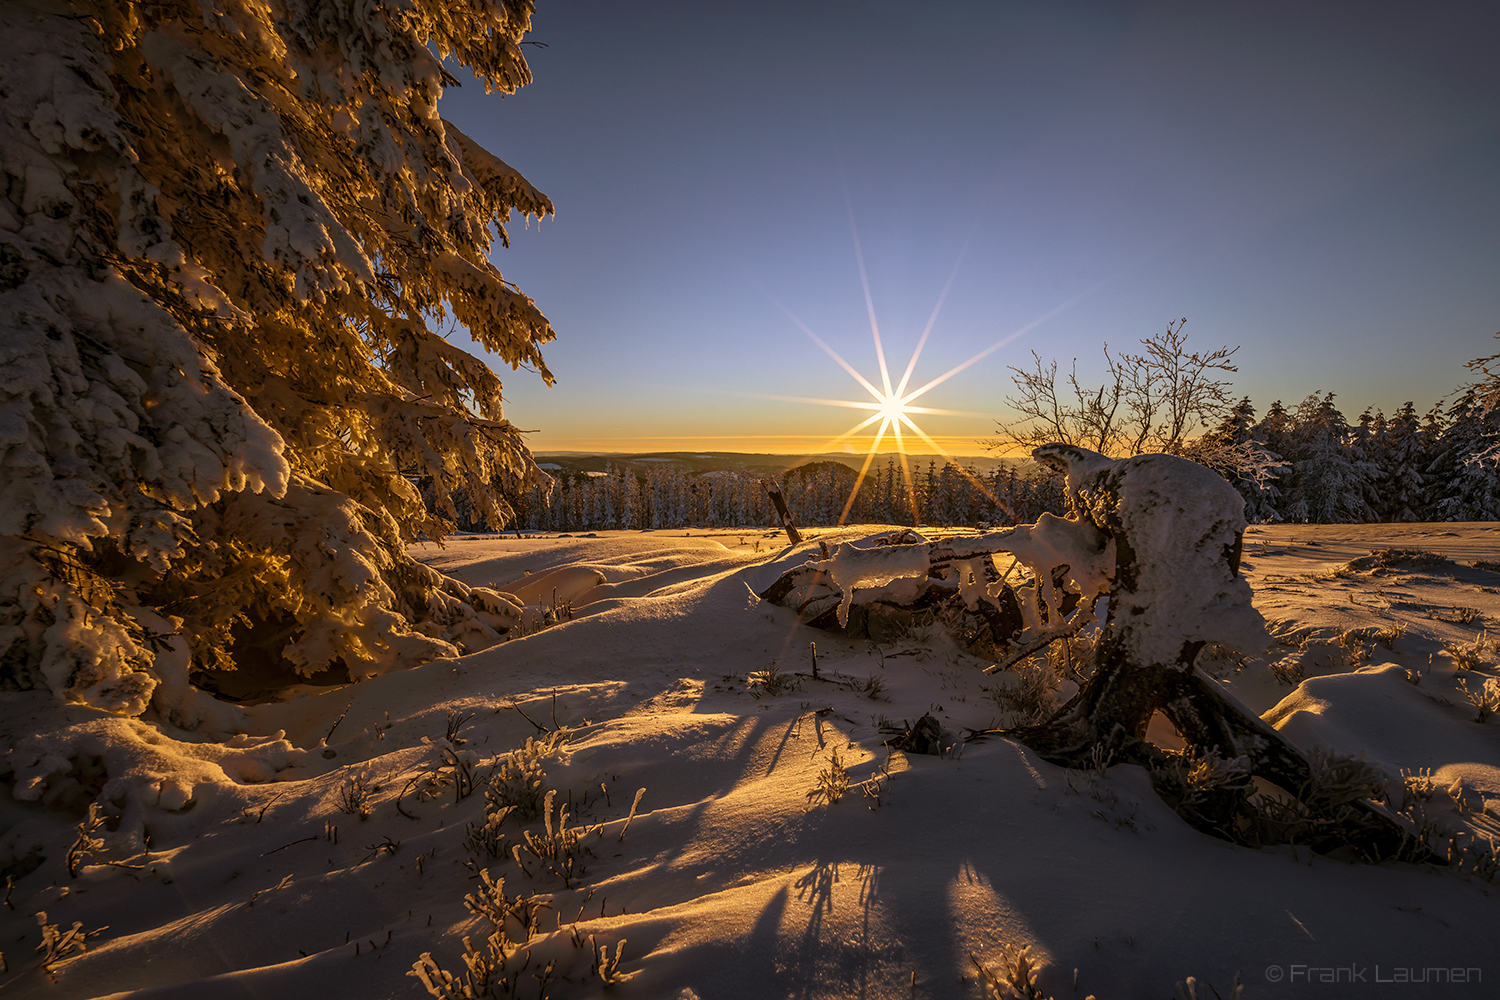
(225, 232)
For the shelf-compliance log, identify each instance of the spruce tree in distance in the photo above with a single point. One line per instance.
(225, 233)
(1401, 481)
(1331, 483)
(1253, 469)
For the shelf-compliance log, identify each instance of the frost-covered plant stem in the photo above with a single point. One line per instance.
(86, 843)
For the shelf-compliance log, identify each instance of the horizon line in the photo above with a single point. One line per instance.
(786, 444)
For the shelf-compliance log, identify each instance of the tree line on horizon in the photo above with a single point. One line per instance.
(1438, 466)
(621, 498)
(1301, 464)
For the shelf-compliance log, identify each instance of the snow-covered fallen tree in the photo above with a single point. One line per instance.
(1158, 539)
(225, 231)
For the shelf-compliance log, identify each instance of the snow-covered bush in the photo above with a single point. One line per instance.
(225, 232)
(518, 781)
(1485, 697)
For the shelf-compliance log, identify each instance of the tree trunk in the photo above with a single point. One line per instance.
(1161, 537)
(774, 490)
(1106, 720)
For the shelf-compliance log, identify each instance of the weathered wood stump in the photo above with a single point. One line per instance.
(1159, 539)
(1178, 530)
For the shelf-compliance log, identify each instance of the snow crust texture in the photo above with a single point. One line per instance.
(1184, 523)
(243, 865)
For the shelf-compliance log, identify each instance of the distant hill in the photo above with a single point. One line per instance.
(697, 463)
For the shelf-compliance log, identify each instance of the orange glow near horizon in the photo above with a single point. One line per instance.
(796, 445)
(892, 405)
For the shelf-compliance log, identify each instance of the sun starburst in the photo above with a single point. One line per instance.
(893, 407)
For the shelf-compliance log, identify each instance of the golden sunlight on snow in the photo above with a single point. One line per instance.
(777, 846)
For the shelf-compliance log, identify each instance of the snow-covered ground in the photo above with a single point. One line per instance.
(233, 871)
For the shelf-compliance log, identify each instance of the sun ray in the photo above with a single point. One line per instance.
(870, 388)
(864, 281)
(853, 404)
(946, 413)
(1049, 314)
(859, 480)
(849, 433)
(911, 489)
(960, 367)
(927, 330)
(975, 480)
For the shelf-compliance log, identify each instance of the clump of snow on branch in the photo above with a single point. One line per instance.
(227, 231)
(874, 568)
(898, 573)
(1155, 533)
(1183, 522)
(60, 758)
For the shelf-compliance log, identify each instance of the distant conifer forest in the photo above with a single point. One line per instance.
(1442, 465)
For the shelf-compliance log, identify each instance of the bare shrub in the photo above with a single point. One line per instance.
(1192, 989)
(1149, 402)
(486, 838)
(1325, 806)
(58, 945)
(1418, 785)
(1209, 792)
(454, 768)
(1464, 615)
(519, 917)
(1016, 977)
(456, 722)
(1379, 559)
(1288, 669)
(771, 681)
(832, 782)
(1354, 649)
(1028, 699)
(607, 966)
(1486, 699)
(1387, 636)
(1339, 779)
(1471, 655)
(354, 795)
(86, 843)
(519, 780)
(485, 975)
(559, 848)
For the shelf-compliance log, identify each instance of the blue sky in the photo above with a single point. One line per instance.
(1317, 183)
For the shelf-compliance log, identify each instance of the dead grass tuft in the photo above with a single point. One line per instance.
(1379, 559)
(1016, 977)
(1486, 699)
(833, 780)
(1028, 699)
(1474, 655)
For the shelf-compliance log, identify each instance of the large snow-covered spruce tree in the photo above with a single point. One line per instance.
(226, 230)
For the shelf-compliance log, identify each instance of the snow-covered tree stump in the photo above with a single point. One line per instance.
(1158, 538)
(1177, 530)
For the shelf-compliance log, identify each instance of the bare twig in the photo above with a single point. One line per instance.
(539, 727)
(292, 844)
(338, 720)
(1080, 617)
(633, 806)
